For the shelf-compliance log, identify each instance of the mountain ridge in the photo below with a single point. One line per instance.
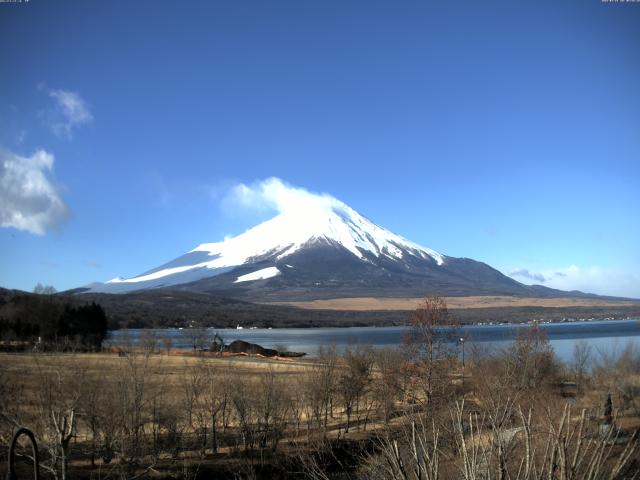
(321, 249)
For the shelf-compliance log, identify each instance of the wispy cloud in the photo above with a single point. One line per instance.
(21, 136)
(524, 273)
(275, 195)
(69, 112)
(29, 199)
(590, 279)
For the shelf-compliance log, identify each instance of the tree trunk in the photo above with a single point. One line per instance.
(214, 435)
(348, 411)
(63, 467)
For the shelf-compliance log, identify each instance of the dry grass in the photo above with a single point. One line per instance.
(163, 365)
(166, 373)
(377, 304)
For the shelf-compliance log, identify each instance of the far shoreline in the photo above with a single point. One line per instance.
(405, 325)
(380, 319)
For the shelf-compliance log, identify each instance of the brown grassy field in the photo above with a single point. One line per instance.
(150, 413)
(163, 370)
(378, 304)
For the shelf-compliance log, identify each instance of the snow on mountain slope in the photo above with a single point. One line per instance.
(261, 274)
(290, 231)
(325, 219)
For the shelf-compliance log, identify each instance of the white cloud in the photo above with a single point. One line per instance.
(592, 279)
(29, 200)
(524, 273)
(70, 112)
(275, 195)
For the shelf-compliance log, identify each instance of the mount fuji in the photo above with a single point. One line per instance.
(319, 249)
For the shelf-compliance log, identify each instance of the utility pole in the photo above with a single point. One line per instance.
(462, 344)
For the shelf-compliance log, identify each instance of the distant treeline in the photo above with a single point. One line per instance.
(50, 322)
(170, 308)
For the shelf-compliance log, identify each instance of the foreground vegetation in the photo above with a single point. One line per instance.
(418, 413)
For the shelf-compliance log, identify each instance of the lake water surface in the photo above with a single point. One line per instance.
(608, 336)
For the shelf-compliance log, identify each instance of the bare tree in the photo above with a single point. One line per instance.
(92, 396)
(414, 454)
(617, 373)
(389, 383)
(581, 357)
(41, 289)
(58, 400)
(149, 341)
(215, 398)
(167, 344)
(272, 408)
(321, 387)
(243, 406)
(124, 413)
(191, 387)
(12, 415)
(199, 339)
(532, 360)
(298, 400)
(430, 347)
(354, 379)
(523, 448)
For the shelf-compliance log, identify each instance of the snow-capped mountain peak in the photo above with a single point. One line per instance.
(291, 230)
(323, 220)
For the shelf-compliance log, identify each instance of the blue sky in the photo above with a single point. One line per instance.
(507, 132)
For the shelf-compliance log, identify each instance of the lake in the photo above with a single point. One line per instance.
(609, 336)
